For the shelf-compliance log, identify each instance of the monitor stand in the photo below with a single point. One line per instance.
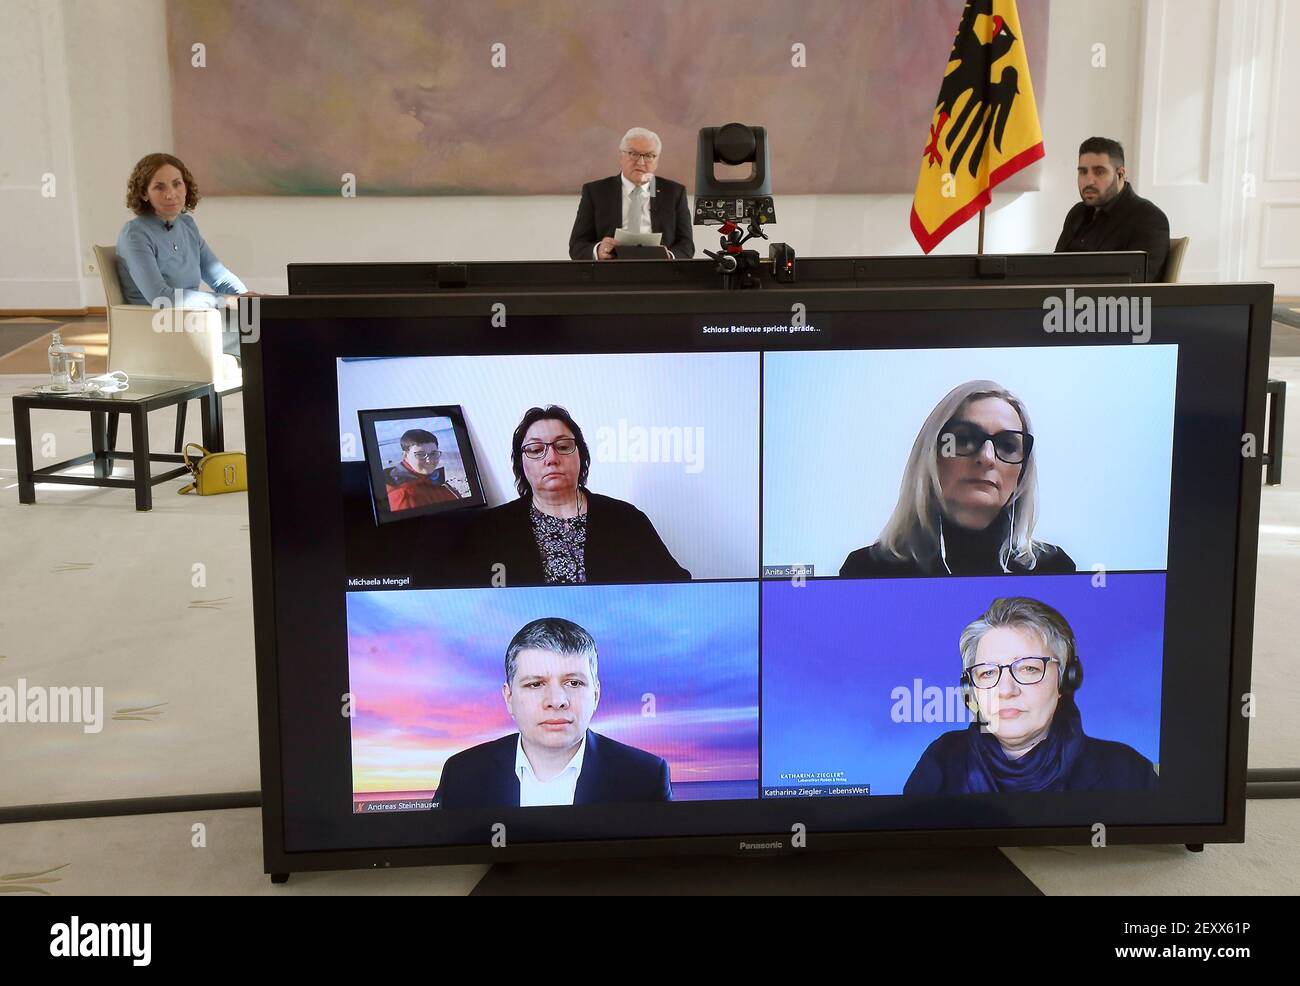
(901, 872)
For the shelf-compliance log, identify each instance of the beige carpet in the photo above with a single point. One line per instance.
(1275, 666)
(1285, 339)
(95, 593)
(156, 855)
(1268, 862)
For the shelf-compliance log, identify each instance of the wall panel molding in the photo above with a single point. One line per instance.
(1183, 121)
(1279, 235)
(1282, 112)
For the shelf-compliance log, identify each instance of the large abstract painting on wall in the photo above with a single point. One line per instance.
(501, 97)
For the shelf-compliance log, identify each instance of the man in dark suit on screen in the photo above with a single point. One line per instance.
(637, 200)
(552, 691)
(1110, 215)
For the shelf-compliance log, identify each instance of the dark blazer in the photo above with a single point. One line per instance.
(612, 773)
(600, 212)
(1127, 222)
(873, 562)
(1102, 765)
(622, 545)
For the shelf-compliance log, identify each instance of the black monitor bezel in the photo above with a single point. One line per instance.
(430, 277)
(1258, 297)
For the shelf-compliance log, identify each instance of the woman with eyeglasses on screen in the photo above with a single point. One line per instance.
(969, 497)
(1020, 672)
(558, 531)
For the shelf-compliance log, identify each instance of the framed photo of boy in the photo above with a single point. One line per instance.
(420, 461)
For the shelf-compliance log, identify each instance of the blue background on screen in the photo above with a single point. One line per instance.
(833, 651)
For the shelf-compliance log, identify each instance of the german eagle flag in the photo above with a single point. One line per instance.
(985, 123)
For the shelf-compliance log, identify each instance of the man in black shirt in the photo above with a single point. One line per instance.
(1112, 216)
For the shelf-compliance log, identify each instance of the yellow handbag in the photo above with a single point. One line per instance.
(215, 472)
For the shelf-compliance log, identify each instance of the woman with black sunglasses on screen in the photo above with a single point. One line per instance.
(558, 531)
(968, 501)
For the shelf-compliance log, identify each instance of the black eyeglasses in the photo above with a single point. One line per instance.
(426, 456)
(1025, 670)
(535, 450)
(1010, 446)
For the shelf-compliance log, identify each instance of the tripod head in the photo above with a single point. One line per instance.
(738, 266)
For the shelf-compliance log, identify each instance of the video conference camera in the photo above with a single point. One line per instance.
(731, 203)
(719, 200)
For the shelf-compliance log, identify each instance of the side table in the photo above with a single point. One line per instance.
(144, 395)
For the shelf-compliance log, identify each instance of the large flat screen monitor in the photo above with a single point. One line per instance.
(1124, 267)
(569, 574)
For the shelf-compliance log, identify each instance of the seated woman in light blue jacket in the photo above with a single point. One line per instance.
(160, 253)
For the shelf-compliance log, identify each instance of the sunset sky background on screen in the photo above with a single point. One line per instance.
(426, 669)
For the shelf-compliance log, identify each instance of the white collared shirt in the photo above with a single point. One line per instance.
(649, 187)
(559, 790)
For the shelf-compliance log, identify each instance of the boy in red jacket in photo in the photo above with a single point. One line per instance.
(417, 480)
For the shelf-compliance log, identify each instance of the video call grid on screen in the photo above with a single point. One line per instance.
(1209, 380)
(648, 418)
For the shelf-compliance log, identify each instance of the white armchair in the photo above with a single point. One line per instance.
(183, 344)
(1174, 263)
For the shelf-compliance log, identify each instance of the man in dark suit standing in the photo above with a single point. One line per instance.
(636, 200)
(552, 691)
(1112, 216)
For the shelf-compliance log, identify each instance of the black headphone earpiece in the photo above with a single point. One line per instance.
(968, 696)
(1072, 679)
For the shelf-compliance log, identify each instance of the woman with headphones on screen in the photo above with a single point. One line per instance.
(1020, 671)
(968, 501)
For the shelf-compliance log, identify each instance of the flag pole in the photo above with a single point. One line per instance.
(979, 248)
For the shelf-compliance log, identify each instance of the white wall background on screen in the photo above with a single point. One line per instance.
(634, 443)
(1102, 420)
(701, 494)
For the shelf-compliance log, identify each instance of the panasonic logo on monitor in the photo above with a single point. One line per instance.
(749, 846)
